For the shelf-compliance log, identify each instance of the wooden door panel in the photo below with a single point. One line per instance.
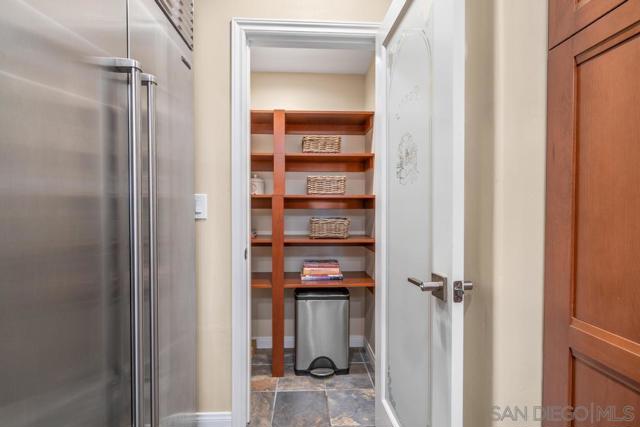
(592, 259)
(607, 194)
(559, 218)
(617, 356)
(567, 17)
(594, 389)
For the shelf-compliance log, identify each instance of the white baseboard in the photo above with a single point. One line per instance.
(370, 352)
(290, 341)
(198, 419)
(212, 419)
(356, 341)
(177, 420)
(266, 342)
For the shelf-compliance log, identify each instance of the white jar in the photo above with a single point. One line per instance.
(257, 184)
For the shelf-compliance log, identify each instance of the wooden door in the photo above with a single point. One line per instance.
(567, 17)
(592, 277)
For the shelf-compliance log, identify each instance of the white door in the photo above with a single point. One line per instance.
(420, 134)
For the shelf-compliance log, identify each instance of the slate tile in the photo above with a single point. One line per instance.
(292, 382)
(262, 408)
(261, 356)
(289, 356)
(301, 409)
(351, 407)
(355, 355)
(358, 378)
(261, 379)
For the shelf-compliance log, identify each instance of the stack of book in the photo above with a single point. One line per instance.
(323, 269)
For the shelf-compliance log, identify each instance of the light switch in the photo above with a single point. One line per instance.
(200, 206)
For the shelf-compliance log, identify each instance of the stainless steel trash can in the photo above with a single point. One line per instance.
(322, 332)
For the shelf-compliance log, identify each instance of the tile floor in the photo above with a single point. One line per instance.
(302, 401)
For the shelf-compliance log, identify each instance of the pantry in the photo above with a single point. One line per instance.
(312, 197)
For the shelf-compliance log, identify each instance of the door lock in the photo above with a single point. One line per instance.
(437, 286)
(459, 288)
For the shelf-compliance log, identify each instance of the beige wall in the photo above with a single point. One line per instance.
(506, 110)
(308, 91)
(213, 167)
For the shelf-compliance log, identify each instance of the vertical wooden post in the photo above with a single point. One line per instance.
(277, 246)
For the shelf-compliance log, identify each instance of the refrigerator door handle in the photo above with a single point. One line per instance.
(132, 68)
(149, 81)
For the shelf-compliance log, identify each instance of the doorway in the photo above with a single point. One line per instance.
(303, 82)
(436, 152)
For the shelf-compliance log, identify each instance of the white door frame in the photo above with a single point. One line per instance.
(275, 33)
(385, 415)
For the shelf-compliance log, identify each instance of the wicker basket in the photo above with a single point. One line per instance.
(326, 184)
(321, 144)
(329, 228)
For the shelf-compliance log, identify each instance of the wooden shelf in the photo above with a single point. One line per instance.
(328, 122)
(302, 240)
(352, 279)
(262, 121)
(298, 240)
(279, 123)
(261, 162)
(261, 240)
(261, 201)
(261, 280)
(325, 162)
(315, 122)
(349, 201)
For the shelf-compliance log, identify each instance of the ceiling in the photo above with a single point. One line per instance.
(306, 60)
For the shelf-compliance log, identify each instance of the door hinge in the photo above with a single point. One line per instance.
(245, 253)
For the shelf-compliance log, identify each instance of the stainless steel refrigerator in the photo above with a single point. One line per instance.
(97, 264)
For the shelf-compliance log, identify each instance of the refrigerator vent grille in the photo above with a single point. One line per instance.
(180, 13)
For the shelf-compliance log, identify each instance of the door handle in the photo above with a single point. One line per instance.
(437, 286)
(149, 81)
(132, 68)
